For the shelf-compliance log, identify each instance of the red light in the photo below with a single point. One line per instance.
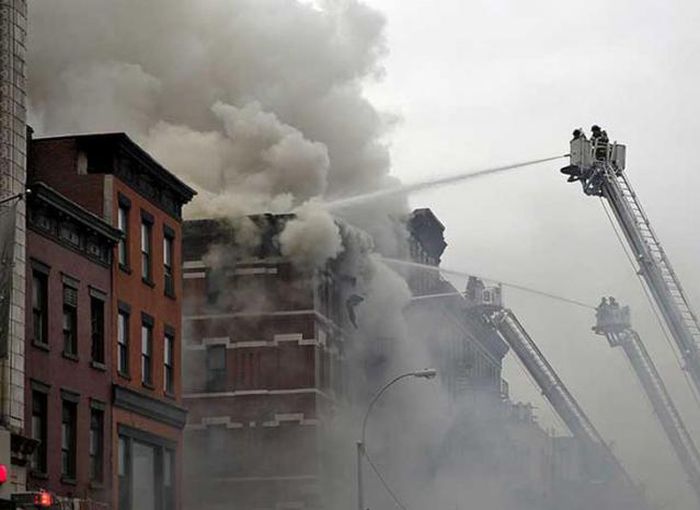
(3, 473)
(43, 499)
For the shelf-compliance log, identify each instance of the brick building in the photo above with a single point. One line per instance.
(113, 178)
(69, 384)
(264, 343)
(265, 356)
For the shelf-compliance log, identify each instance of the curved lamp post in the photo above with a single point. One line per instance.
(427, 373)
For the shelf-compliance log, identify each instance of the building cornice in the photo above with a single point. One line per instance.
(127, 161)
(52, 215)
(149, 407)
(50, 196)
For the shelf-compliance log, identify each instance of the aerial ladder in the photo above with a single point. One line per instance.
(486, 302)
(600, 167)
(613, 322)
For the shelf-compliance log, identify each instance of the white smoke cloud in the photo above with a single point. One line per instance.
(312, 237)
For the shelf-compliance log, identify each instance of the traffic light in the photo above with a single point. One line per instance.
(3, 473)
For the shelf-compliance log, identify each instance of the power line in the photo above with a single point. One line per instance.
(516, 286)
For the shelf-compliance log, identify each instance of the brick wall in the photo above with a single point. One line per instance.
(49, 366)
(56, 161)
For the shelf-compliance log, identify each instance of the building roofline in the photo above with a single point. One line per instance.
(428, 212)
(123, 140)
(41, 191)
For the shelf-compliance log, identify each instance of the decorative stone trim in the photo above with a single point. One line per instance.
(155, 409)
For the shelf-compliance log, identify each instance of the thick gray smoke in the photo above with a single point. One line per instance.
(256, 103)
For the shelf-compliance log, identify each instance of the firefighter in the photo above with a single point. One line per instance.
(600, 140)
(615, 312)
(602, 315)
(573, 171)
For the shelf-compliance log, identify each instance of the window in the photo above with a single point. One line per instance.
(40, 316)
(248, 370)
(216, 368)
(144, 486)
(169, 363)
(39, 430)
(213, 284)
(123, 470)
(70, 320)
(123, 342)
(146, 270)
(123, 226)
(168, 278)
(97, 333)
(96, 444)
(168, 481)
(68, 423)
(146, 467)
(147, 352)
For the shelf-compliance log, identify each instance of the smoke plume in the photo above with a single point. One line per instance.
(259, 99)
(258, 104)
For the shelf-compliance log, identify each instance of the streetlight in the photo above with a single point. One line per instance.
(426, 373)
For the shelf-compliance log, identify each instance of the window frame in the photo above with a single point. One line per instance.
(69, 425)
(70, 330)
(39, 461)
(146, 247)
(168, 261)
(215, 377)
(123, 340)
(124, 206)
(42, 278)
(96, 453)
(97, 332)
(147, 324)
(165, 495)
(169, 361)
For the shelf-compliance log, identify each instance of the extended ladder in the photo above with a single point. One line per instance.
(655, 267)
(614, 325)
(601, 170)
(514, 334)
(552, 387)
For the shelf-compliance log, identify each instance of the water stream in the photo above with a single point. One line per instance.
(431, 183)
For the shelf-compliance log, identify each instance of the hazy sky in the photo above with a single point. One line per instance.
(486, 82)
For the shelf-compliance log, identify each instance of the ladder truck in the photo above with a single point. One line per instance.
(613, 322)
(486, 304)
(600, 168)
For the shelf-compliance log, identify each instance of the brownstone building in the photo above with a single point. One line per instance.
(68, 390)
(113, 178)
(267, 355)
(264, 346)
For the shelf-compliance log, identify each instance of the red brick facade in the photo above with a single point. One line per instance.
(54, 373)
(106, 173)
(262, 373)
